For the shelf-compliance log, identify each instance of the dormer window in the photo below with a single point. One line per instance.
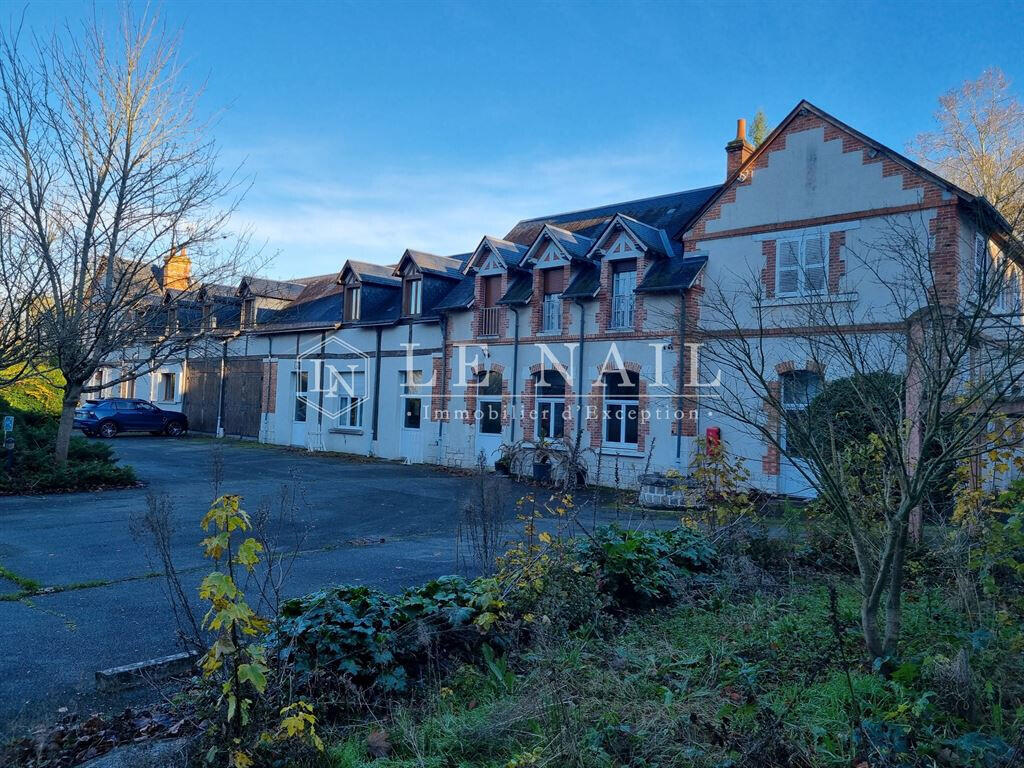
(352, 302)
(551, 316)
(412, 298)
(248, 313)
(209, 321)
(623, 293)
(172, 320)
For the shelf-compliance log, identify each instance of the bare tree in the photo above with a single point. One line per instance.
(979, 143)
(110, 188)
(956, 341)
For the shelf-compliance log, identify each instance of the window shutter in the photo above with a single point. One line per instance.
(554, 281)
(980, 271)
(492, 288)
(814, 264)
(789, 267)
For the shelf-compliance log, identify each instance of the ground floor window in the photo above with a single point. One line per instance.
(550, 394)
(488, 390)
(621, 408)
(410, 382)
(300, 386)
(168, 387)
(799, 388)
(350, 407)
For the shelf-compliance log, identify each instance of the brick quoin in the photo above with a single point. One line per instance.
(807, 121)
(770, 459)
(269, 399)
(768, 274)
(836, 263)
(439, 398)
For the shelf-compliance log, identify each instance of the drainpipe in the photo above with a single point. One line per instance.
(220, 400)
(681, 378)
(515, 378)
(444, 371)
(376, 384)
(184, 379)
(579, 396)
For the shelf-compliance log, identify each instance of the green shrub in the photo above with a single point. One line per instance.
(644, 567)
(380, 641)
(35, 405)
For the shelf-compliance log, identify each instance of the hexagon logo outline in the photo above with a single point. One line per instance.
(340, 386)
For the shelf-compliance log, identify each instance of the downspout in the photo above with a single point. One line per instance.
(376, 384)
(220, 400)
(515, 378)
(681, 378)
(579, 397)
(444, 372)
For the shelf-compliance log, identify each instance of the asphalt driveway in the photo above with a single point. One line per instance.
(377, 523)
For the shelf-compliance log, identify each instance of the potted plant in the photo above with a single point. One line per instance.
(503, 464)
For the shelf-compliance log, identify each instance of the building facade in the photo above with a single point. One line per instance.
(583, 327)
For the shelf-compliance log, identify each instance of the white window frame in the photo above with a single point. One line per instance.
(802, 268)
(552, 404)
(355, 292)
(551, 313)
(352, 418)
(626, 404)
(623, 313)
(300, 386)
(415, 289)
(621, 442)
(167, 377)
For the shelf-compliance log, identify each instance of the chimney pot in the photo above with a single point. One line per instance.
(741, 129)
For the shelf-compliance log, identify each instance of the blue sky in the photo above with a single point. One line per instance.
(372, 127)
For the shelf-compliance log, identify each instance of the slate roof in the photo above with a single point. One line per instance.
(655, 240)
(319, 305)
(448, 266)
(584, 283)
(519, 290)
(668, 212)
(671, 274)
(273, 289)
(461, 296)
(511, 253)
(574, 243)
(383, 274)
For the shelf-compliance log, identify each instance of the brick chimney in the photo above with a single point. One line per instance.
(738, 150)
(177, 270)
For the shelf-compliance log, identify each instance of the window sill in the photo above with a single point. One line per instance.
(345, 431)
(801, 300)
(555, 332)
(617, 450)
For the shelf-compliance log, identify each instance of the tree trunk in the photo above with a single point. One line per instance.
(894, 601)
(67, 417)
(869, 625)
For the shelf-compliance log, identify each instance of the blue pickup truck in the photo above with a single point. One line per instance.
(112, 415)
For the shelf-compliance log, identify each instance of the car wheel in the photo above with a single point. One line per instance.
(108, 429)
(174, 429)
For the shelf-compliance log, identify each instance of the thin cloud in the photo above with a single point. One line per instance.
(316, 222)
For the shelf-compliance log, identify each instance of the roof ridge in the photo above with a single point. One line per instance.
(620, 203)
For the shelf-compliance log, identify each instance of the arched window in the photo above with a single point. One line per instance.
(550, 412)
(621, 408)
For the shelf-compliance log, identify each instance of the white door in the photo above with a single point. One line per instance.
(300, 408)
(488, 431)
(798, 389)
(410, 416)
